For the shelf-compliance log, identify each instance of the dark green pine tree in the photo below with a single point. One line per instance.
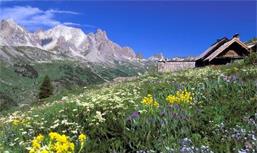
(46, 88)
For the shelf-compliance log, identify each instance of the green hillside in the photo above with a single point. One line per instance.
(19, 82)
(211, 109)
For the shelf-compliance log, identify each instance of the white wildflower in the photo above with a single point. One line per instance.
(99, 116)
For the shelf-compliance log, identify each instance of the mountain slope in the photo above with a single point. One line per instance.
(19, 82)
(65, 41)
(28, 54)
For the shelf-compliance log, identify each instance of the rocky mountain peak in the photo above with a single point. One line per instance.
(66, 40)
(10, 24)
(101, 35)
(12, 34)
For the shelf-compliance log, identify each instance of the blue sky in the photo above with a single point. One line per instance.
(184, 28)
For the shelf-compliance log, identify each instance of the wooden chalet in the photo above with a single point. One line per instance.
(223, 51)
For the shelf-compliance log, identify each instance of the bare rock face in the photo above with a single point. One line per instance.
(105, 49)
(14, 35)
(66, 41)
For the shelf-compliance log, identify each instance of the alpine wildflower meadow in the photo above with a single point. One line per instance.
(203, 110)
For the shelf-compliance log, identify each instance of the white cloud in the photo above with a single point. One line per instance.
(60, 11)
(34, 18)
(71, 24)
(79, 25)
(89, 26)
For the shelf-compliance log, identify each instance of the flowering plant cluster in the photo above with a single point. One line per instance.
(181, 96)
(36, 145)
(149, 101)
(57, 144)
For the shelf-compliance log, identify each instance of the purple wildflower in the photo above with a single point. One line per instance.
(133, 116)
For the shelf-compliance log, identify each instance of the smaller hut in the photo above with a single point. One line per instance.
(223, 51)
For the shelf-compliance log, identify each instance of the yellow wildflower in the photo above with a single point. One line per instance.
(53, 135)
(181, 96)
(60, 143)
(62, 138)
(44, 151)
(148, 100)
(36, 143)
(82, 137)
(156, 104)
(72, 146)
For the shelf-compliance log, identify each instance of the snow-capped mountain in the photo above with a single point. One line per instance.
(157, 57)
(65, 41)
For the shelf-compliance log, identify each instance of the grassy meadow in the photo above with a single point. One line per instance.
(202, 110)
(20, 82)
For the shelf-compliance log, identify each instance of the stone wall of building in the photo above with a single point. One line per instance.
(171, 66)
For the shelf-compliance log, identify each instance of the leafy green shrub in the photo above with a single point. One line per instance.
(251, 59)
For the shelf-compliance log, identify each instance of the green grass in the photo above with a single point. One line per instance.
(222, 116)
(22, 87)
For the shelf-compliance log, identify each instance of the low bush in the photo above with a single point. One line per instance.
(251, 59)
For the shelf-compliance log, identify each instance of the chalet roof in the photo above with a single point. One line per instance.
(213, 47)
(223, 47)
(218, 47)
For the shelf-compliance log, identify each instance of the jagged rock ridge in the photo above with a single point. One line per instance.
(65, 41)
